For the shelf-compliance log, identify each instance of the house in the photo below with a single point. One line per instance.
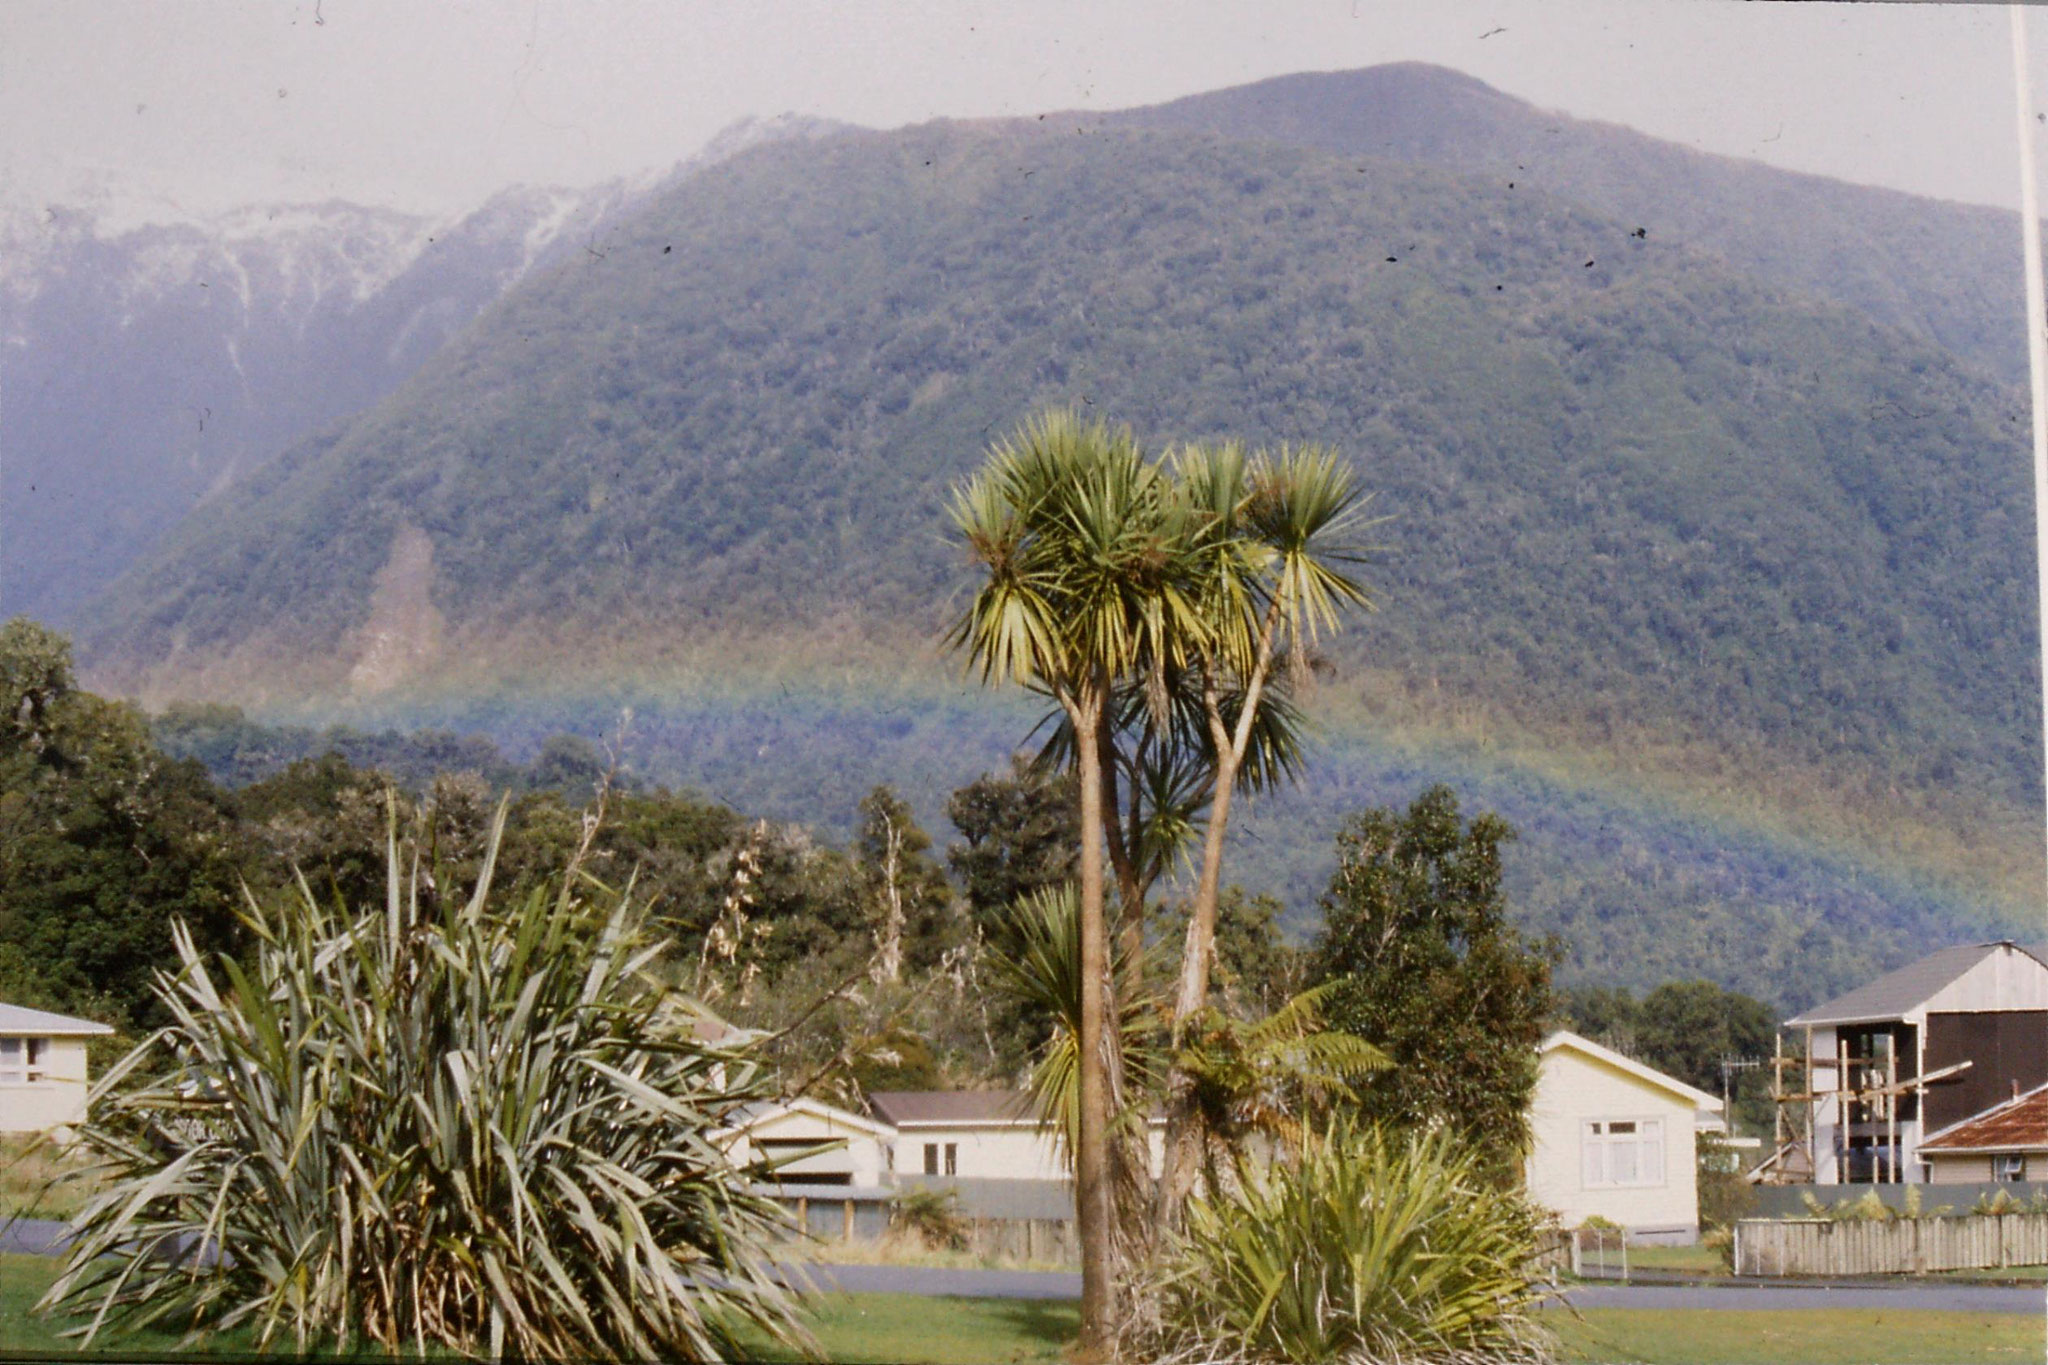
(968, 1134)
(2008, 1141)
(1614, 1139)
(981, 1135)
(815, 1143)
(42, 1068)
(1913, 1053)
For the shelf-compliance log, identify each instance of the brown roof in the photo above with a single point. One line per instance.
(2018, 1125)
(912, 1107)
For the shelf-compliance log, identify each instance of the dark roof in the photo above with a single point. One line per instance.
(905, 1107)
(2018, 1125)
(1896, 994)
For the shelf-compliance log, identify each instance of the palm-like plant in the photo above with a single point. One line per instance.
(1262, 1081)
(1036, 962)
(439, 1124)
(1272, 577)
(1085, 548)
(1367, 1247)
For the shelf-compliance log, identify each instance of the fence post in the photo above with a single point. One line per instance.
(1578, 1264)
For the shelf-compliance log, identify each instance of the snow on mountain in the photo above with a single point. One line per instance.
(150, 357)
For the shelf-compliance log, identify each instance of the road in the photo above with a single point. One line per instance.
(43, 1238)
(1045, 1284)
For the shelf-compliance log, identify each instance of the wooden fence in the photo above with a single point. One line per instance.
(1819, 1246)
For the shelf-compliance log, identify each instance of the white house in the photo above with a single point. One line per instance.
(1614, 1139)
(816, 1143)
(42, 1068)
(969, 1134)
(979, 1135)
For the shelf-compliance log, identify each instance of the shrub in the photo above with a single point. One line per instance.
(1367, 1246)
(932, 1216)
(442, 1124)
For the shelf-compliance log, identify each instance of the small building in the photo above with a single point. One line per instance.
(982, 1135)
(1614, 1139)
(814, 1143)
(968, 1134)
(1915, 1052)
(42, 1068)
(2006, 1142)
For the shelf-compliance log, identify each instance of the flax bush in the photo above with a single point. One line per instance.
(1365, 1247)
(446, 1123)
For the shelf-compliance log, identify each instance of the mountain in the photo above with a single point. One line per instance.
(145, 366)
(1947, 273)
(1722, 583)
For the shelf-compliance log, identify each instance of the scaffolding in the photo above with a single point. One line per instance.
(1866, 1092)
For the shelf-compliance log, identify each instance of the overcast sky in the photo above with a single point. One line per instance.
(205, 106)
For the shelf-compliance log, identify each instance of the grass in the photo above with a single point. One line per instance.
(914, 1330)
(910, 1251)
(1694, 1260)
(911, 1329)
(29, 1174)
(1812, 1336)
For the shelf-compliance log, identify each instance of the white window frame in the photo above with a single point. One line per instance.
(2006, 1166)
(1601, 1150)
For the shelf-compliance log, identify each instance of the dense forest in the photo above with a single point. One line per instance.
(108, 839)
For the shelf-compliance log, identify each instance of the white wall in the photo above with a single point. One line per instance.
(1573, 1090)
(996, 1152)
(981, 1153)
(863, 1156)
(57, 1099)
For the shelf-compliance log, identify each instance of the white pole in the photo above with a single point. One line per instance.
(2037, 346)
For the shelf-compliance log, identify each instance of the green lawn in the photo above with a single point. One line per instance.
(1696, 1260)
(1810, 1336)
(30, 1183)
(915, 1330)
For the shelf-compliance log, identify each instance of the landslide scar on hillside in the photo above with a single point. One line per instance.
(403, 631)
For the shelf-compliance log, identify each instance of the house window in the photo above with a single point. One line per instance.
(952, 1158)
(21, 1060)
(1622, 1152)
(931, 1158)
(2009, 1166)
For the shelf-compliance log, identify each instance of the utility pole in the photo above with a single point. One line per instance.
(2037, 350)
(1729, 1066)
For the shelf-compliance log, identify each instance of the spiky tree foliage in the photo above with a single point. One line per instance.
(445, 1123)
(1261, 1082)
(1084, 545)
(1273, 575)
(1368, 1247)
(1038, 968)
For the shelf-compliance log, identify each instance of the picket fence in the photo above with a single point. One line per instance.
(1820, 1246)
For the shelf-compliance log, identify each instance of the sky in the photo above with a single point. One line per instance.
(196, 108)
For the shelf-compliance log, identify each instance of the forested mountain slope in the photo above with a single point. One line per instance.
(1644, 509)
(1946, 272)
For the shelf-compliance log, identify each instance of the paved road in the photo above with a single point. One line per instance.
(44, 1238)
(1043, 1284)
(34, 1236)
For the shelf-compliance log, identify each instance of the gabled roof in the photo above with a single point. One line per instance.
(952, 1108)
(1897, 994)
(749, 1116)
(2019, 1124)
(1566, 1040)
(16, 1020)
